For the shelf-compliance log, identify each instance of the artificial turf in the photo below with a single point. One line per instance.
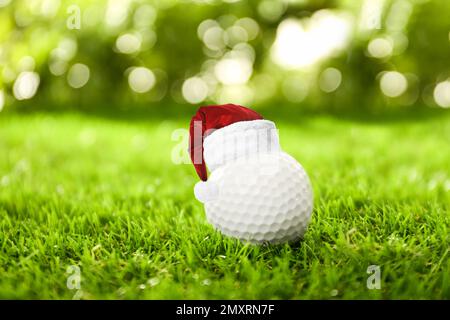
(105, 195)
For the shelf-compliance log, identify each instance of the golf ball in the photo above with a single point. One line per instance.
(261, 198)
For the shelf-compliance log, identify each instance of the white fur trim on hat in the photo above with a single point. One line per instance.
(240, 139)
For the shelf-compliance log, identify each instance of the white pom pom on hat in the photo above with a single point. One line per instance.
(206, 191)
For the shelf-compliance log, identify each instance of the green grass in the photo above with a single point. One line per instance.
(103, 194)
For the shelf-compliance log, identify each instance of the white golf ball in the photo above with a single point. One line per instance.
(261, 198)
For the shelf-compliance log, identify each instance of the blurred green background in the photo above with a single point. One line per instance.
(371, 55)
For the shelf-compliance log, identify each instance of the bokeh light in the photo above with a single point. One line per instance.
(78, 75)
(271, 10)
(235, 35)
(66, 49)
(195, 90)
(57, 67)
(60, 56)
(141, 79)
(250, 26)
(243, 50)
(116, 13)
(330, 79)
(129, 43)
(214, 38)
(441, 94)
(232, 71)
(204, 26)
(393, 84)
(303, 43)
(144, 16)
(380, 48)
(26, 85)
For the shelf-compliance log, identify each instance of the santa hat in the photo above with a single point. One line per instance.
(215, 121)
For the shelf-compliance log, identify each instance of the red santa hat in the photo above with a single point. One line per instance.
(210, 118)
(206, 120)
